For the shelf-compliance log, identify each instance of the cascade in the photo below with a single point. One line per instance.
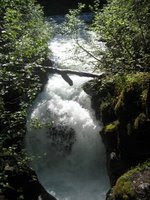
(67, 151)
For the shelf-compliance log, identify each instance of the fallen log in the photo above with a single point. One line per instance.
(68, 71)
(64, 73)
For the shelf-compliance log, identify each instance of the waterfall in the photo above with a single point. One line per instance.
(67, 152)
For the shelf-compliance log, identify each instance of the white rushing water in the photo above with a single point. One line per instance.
(68, 154)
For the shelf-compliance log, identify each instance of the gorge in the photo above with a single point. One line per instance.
(68, 154)
(78, 129)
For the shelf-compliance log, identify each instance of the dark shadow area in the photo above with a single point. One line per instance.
(56, 7)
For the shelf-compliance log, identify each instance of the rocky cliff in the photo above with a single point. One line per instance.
(122, 102)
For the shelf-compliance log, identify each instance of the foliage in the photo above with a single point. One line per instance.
(23, 44)
(124, 28)
(73, 23)
(37, 124)
(23, 33)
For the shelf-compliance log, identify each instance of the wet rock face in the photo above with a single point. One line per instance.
(124, 111)
(23, 184)
(141, 184)
(62, 138)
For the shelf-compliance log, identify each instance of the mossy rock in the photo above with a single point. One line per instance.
(92, 87)
(133, 183)
(112, 127)
(128, 104)
(62, 138)
(124, 189)
(107, 111)
(140, 120)
(107, 88)
(144, 96)
(109, 136)
(103, 88)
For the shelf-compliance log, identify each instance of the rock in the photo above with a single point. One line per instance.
(23, 182)
(127, 106)
(107, 112)
(109, 195)
(144, 186)
(62, 138)
(10, 193)
(122, 104)
(45, 195)
(113, 156)
(110, 136)
(47, 62)
(34, 190)
(133, 185)
(115, 167)
(2, 197)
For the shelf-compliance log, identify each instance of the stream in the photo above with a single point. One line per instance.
(66, 148)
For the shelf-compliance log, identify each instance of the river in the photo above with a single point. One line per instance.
(67, 152)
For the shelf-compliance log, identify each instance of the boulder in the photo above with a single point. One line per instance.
(24, 183)
(133, 185)
(62, 138)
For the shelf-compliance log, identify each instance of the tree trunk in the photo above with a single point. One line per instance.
(64, 73)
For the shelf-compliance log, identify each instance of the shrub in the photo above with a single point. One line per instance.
(23, 43)
(124, 27)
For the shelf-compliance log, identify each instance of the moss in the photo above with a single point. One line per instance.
(139, 78)
(123, 101)
(108, 87)
(107, 111)
(140, 120)
(124, 188)
(112, 127)
(123, 81)
(1, 106)
(129, 128)
(120, 103)
(144, 96)
(128, 104)
(92, 87)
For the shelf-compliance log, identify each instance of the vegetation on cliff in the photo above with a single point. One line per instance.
(23, 43)
(122, 98)
(122, 103)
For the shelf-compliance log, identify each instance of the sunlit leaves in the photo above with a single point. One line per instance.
(124, 26)
(73, 22)
(23, 43)
(24, 33)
